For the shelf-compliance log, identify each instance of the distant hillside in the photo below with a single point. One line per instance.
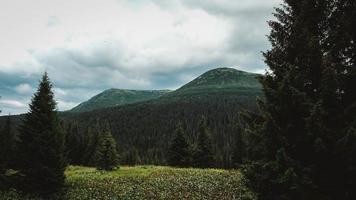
(144, 130)
(220, 81)
(222, 78)
(117, 97)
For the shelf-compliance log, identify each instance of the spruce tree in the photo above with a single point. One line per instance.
(341, 48)
(7, 142)
(75, 145)
(179, 154)
(203, 155)
(92, 142)
(284, 159)
(41, 145)
(106, 156)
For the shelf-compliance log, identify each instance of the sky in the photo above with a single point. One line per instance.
(87, 46)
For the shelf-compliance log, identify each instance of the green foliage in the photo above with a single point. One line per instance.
(179, 153)
(117, 97)
(146, 128)
(224, 77)
(298, 151)
(148, 182)
(92, 142)
(203, 155)
(41, 147)
(106, 156)
(7, 147)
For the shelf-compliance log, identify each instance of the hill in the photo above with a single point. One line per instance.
(117, 97)
(143, 130)
(223, 78)
(219, 81)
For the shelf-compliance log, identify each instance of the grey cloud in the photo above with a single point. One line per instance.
(79, 72)
(53, 21)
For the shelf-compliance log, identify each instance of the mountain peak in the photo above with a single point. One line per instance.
(224, 77)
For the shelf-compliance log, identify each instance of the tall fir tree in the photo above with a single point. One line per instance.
(203, 155)
(179, 153)
(7, 147)
(92, 142)
(106, 156)
(341, 48)
(284, 163)
(75, 144)
(41, 145)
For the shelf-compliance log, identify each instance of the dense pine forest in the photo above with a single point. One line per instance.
(287, 134)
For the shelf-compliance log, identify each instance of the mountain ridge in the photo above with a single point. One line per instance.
(221, 80)
(117, 97)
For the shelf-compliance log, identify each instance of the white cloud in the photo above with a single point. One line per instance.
(65, 105)
(12, 103)
(23, 88)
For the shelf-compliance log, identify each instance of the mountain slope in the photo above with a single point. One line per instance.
(219, 81)
(117, 97)
(144, 130)
(224, 77)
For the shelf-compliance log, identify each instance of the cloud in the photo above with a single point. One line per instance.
(23, 88)
(12, 103)
(53, 21)
(88, 46)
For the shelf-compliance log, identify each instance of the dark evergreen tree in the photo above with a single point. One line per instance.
(285, 146)
(106, 156)
(341, 48)
(7, 145)
(92, 142)
(131, 157)
(41, 145)
(75, 144)
(203, 154)
(179, 153)
(239, 150)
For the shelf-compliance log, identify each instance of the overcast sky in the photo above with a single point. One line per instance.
(91, 45)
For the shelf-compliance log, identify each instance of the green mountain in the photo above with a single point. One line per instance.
(220, 81)
(222, 78)
(143, 130)
(117, 97)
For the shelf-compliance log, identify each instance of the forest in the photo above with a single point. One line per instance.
(287, 134)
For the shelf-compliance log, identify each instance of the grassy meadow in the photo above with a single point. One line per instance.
(147, 182)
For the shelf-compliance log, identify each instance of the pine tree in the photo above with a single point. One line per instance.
(341, 48)
(75, 145)
(41, 146)
(7, 142)
(92, 142)
(284, 159)
(238, 153)
(106, 156)
(203, 155)
(179, 154)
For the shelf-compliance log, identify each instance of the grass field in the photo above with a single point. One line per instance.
(148, 182)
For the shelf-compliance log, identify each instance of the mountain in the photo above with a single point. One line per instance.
(223, 78)
(117, 97)
(220, 81)
(143, 130)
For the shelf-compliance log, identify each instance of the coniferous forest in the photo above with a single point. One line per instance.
(287, 134)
